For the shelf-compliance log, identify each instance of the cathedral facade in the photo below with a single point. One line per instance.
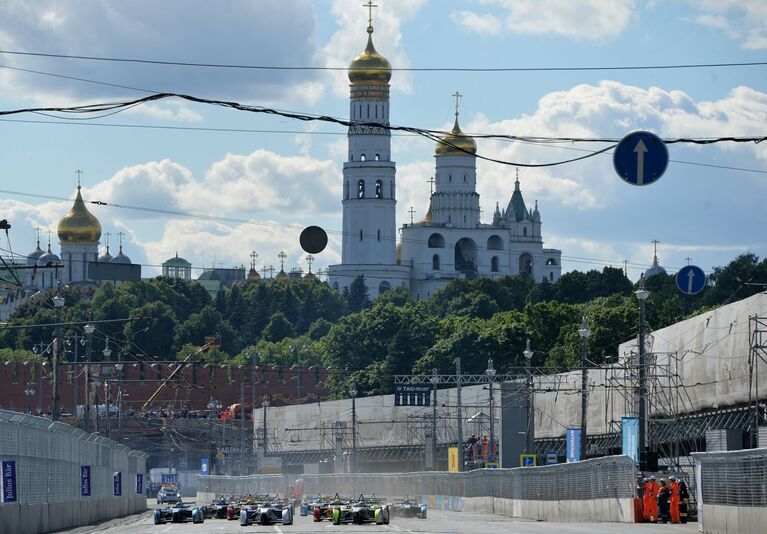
(451, 242)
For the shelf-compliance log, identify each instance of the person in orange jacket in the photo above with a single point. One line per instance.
(653, 492)
(674, 510)
(646, 506)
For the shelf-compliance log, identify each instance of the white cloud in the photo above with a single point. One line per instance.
(741, 20)
(577, 19)
(268, 32)
(485, 24)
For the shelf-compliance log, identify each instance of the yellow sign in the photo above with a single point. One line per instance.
(452, 459)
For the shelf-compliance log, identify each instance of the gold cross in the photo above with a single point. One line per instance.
(457, 96)
(282, 257)
(253, 257)
(411, 211)
(78, 172)
(370, 5)
(309, 260)
(431, 184)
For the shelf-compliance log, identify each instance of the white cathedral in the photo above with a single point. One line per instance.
(450, 242)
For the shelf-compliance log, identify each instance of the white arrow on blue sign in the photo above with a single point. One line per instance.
(690, 280)
(640, 158)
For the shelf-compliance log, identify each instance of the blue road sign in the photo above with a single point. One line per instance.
(640, 158)
(690, 280)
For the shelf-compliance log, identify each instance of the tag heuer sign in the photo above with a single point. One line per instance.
(412, 394)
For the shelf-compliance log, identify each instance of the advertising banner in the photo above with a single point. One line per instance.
(452, 459)
(170, 478)
(139, 483)
(85, 481)
(412, 394)
(527, 460)
(573, 445)
(9, 481)
(630, 437)
(204, 466)
(117, 479)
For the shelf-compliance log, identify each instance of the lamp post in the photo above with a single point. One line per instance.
(460, 410)
(530, 436)
(214, 406)
(58, 303)
(265, 405)
(490, 379)
(584, 332)
(88, 328)
(353, 393)
(119, 369)
(75, 341)
(642, 295)
(29, 392)
(105, 371)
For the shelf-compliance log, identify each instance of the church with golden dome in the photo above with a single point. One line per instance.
(450, 242)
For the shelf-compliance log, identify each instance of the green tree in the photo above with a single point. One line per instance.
(358, 298)
(149, 328)
(278, 328)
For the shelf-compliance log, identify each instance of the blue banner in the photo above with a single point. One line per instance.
(573, 445)
(118, 483)
(139, 484)
(204, 466)
(85, 481)
(9, 481)
(630, 437)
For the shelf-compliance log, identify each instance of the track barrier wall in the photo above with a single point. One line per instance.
(601, 489)
(45, 486)
(733, 491)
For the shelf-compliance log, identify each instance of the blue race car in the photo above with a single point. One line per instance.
(179, 513)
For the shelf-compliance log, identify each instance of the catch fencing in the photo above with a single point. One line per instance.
(55, 476)
(611, 478)
(733, 490)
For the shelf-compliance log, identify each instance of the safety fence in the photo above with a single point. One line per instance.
(732, 491)
(611, 478)
(55, 476)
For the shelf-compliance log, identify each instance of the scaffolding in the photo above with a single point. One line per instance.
(757, 336)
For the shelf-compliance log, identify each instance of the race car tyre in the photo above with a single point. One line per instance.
(385, 513)
(317, 514)
(198, 516)
(336, 516)
(243, 518)
(158, 520)
(287, 517)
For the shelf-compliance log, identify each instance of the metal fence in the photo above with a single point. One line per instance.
(599, 478)
(735, 478)
(48, 458)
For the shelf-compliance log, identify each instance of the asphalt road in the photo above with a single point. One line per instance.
(439, 522)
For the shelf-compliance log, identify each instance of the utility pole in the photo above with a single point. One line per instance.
(434, 381)
(89, 329)
(584, 333)
(353, 393)
(642, 295)
(530, 434)
(58, 303)
(490, 379)
(265, 405)
(460, 410)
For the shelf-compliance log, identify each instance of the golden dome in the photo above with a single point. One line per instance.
(427, 217)
(282, 276)
(309, 277)
(253, 276)
(456, 143)
(79, 225)
(370, 67)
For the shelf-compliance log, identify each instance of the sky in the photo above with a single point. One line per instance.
(238, 182)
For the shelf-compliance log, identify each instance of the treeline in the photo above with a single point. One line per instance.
(307, 323)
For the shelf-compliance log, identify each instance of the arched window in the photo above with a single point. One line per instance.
(360, 235)
(383, 287)
(346, 190)
(379, 235)
(361, 189)
(379, 189)
(551, 277)
(551, 261)
(494, 264)
(378, 157)
(464, 178)
(525, 263)
(524, 231)
(494, 242)
(436, 241)
(391, 189)
(435, 262)
(362, 157)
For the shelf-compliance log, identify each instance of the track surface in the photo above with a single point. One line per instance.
(439, 522)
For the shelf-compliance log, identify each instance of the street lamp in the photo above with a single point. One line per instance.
(29, 392)
(265, 405)
(584, 332)
(530, 438)
(75, 342)
(58, 303)
(119, 369)
(89, 329)
(490, 371)
(107, 352)
(353, 393)
(642, 295)
(434, 381)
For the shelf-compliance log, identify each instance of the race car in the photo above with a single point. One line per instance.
(267, 512)
(217, 509)
(179, 513)
(361, 510)
(322, 508)
(408, 508)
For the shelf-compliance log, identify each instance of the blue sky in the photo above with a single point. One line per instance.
(286, 175)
